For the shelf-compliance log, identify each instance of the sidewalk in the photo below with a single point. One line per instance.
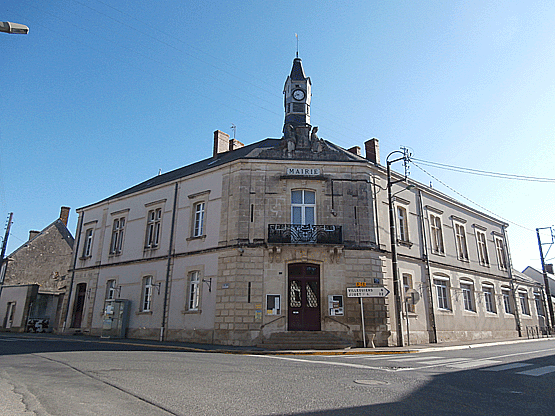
(228, 349)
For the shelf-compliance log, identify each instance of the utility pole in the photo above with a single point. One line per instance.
(3, 253)
(393, 241)
(545, 278)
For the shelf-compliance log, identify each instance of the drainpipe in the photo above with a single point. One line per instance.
(375, 208)
(168, 267)
(510, 268)
(431, 314)
(75, 254)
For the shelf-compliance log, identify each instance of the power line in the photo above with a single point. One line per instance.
(484, 172)
(470, 200)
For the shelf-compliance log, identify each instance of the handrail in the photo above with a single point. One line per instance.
(335, 320)
(271, 322)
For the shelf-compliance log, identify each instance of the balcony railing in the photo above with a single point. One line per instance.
(304, 234)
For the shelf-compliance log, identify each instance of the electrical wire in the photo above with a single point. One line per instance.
(468, 199)
(483, 172)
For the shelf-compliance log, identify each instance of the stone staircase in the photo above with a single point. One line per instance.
(304, 340)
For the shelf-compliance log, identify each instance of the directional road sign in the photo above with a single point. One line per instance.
(367, 292)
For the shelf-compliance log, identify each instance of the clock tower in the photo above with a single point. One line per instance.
(297, 95)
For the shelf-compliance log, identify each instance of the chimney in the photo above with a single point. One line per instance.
(64, 214)
(372, 148)
(221, 143)
(33, 234)
(355, 150)
(235, 144)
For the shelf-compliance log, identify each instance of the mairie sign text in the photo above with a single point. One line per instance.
(367, 292)
(303, 171)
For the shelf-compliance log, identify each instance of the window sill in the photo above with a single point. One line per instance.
(143, 313)
(469, 311)
(84, 257)
(404, 243)
(188, 312)
(463, 259)
(114, 254)
(444, 310)
(200, 237)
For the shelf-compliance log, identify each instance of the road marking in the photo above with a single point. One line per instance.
(443, 361)
(506, 367)
(472, 364)
(302, 360)
(536, 372)
(414, 359)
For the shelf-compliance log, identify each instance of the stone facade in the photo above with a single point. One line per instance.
(266, 238)
(43, 261)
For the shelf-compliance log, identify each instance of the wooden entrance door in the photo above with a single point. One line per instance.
(79, 305)
(304, 297)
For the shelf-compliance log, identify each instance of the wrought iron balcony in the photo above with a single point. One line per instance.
(304, 234)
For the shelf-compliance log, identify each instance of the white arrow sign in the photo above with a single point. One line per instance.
(367, 292)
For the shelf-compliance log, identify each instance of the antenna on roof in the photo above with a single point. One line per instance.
(297, 36)
(234, 128)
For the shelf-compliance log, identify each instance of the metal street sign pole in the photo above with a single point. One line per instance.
(363, 326)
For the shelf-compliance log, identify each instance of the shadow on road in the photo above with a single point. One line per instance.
(23, 343)
(469, 392)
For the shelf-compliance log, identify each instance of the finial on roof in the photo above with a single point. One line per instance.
(297, 36)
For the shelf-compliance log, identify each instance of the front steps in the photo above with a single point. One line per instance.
(304, 340)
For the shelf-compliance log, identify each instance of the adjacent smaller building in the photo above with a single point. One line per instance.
(34, 279)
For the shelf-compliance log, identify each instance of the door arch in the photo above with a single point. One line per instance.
(304, 297)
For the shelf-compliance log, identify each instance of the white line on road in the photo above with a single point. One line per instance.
(444, 361)
(504, 367)
(536, 372)
(414, 359)
(472, 364)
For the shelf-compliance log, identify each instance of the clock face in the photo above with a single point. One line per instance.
(298, 95)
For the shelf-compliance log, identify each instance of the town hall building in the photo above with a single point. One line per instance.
(263, 244)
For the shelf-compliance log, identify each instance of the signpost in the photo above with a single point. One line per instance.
(361, 291)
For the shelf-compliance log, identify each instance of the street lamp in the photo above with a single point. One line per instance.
(393, 236)
(15, 28)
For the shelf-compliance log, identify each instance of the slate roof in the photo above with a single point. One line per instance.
(252, 151)
(297, 72)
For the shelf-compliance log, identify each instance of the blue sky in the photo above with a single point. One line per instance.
(101, 95)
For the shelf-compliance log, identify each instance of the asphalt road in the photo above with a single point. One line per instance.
(46, 376)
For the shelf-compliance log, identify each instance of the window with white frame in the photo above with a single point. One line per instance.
(87, 246)
(467, 289)
(489, 298)
(436, 234)
(402, 224)
(199, 210)
(118, 228)
(523, 299)
(501, 257)
(460, 235)
(194, 291)
(482, 248)
(110, 289)
(303, 207)
(506, 293)
(442, 291)
(153, 224)
(407, 285)
(539, 304)
(146, 304)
